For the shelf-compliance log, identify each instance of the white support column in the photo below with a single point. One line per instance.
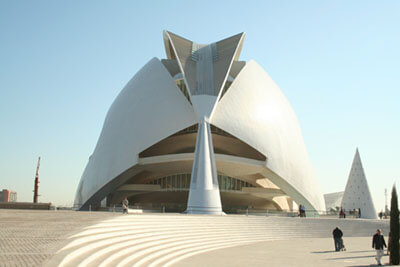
(204, 196)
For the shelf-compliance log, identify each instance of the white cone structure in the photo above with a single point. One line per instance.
(357, 195)
(204, 196)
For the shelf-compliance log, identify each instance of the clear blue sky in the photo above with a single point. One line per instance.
(62, 63)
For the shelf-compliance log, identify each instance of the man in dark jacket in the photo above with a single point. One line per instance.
(378, 243)
(337, 237)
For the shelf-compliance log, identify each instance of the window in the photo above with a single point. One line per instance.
(227, 84)
(178, 181)
(182, 86)
(182, 181)
(187, 180)
(169, 182)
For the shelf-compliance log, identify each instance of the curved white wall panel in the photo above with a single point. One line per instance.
(150, 108)
(255, 110)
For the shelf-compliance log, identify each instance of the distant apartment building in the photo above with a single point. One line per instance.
(8, 196)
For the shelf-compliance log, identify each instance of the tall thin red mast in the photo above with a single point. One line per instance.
(36, 189)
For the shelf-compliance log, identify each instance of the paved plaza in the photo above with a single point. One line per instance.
(300, 252)
(68, 238)
(30, 237)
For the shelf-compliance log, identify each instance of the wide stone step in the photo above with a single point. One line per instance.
(161, 240)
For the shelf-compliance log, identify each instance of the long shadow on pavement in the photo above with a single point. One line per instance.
(347, 258)
(332, 251)
(369, 265)
(359, 251)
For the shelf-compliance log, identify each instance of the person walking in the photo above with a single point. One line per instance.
(303, 210)
(341, 213)
(337, 238)
(378, 243)
(125, 205)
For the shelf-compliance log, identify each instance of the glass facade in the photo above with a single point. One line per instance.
(179, 182)
(182, 86)
(226, 87)
(193, 129)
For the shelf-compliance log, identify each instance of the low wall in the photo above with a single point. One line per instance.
(25, 205)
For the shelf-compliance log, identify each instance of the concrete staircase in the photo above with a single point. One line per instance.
(164, 239)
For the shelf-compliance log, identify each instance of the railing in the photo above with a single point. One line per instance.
(263, 212)
(228, 210)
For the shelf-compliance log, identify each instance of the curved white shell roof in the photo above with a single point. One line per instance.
(148, 109)
(151, 107)
(255, 110)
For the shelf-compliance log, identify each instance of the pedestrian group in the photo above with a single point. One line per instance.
(378, 243)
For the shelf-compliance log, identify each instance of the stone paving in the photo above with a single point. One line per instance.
(318, 252)
(30, 237)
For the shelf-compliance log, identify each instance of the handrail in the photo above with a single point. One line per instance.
(229, 210)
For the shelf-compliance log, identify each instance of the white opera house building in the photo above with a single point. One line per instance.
(201, 132)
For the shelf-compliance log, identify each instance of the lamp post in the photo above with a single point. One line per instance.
(386, 206)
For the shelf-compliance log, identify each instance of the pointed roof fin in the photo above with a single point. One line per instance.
(205, 68)
(228, 51)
